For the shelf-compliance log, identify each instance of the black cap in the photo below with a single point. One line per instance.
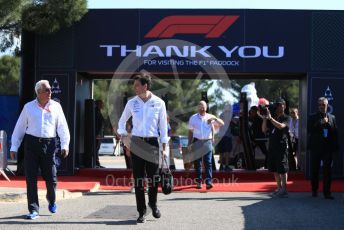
(280, 101)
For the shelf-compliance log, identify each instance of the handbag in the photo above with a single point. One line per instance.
(166, 178)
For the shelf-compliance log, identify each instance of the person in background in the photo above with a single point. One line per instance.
(99, 128)
(323, 143)
(169, 132)
(258, 137)
(225, 144)
(201, 138)
(294, 139)
(38, 124)
(126, 151)
(278, 127)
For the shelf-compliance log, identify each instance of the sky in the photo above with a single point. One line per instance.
(218, 4)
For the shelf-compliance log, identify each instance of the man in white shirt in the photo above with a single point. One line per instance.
(38, 124)
(149, 121)
(201, 137)
(294, 138)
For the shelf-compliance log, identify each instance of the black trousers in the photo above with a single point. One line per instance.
(145, 161)
(316, 158)
(39, 154)
(97, 162)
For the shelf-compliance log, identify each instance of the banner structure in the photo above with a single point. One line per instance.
(303, 45)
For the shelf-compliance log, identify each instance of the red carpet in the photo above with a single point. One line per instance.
(87, 180)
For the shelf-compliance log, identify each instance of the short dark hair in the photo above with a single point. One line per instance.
(98, 102)
(280, 101)
(144, 79)
(254, 108)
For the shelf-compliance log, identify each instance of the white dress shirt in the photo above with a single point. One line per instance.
(199, 126)
(294, 128)
(149, 118)
(41, 122)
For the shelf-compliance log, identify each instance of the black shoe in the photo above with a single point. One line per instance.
(209, 186)
(155, 211)
(228, 169)
(142, 217)
(314, 194)
(99, 167)
(329, 197)
(221, 168)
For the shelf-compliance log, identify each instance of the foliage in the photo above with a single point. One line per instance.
(182, 96)
(50, 16)
(100, 89)
(10, 22)
(9, 75)
(274, 89)
(39, 16)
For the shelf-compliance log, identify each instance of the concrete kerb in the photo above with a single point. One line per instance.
(19, 194)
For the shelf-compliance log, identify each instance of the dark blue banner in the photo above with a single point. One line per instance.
(193, 40)
(8, 115)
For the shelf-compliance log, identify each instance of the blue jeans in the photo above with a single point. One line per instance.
(206, 150)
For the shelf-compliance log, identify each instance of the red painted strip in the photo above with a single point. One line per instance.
(169, 21)
(222, 26)
(185, 29)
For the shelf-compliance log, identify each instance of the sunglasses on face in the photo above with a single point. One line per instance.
(46, 90)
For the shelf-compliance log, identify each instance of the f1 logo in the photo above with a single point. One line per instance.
(213, 26)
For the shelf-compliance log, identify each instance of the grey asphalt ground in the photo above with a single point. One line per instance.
(117, 210)
(19, 194)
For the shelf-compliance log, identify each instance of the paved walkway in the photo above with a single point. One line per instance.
(116, 210)
(19, 194)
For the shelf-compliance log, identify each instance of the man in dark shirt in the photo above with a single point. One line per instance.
(323, 142)
(278, 146)
(258, 137)
(99, 127)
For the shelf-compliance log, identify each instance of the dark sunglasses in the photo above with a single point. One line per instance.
(46, 90)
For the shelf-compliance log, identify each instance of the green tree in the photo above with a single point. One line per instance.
(273, 89)
(223, 93)
(100, 89)
(39, 16)
(10, 22)
(182, 96)
(9, 75)
(49, 16)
